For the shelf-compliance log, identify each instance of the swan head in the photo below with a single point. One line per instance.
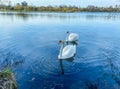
(60, 42)
(68, 32)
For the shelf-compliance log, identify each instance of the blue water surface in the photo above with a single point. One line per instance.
(29, 45)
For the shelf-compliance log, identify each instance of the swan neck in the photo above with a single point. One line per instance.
(61, 49)
(68, 35)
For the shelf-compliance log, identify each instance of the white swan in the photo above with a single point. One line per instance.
(67, 51)
(72, 37)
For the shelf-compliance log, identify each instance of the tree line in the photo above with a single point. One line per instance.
(61, 8)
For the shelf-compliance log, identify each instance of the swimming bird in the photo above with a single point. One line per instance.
(71, 37)
(67, 51)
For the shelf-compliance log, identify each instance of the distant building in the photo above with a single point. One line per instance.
(24, 3)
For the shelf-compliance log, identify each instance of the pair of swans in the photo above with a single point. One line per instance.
(69, 50)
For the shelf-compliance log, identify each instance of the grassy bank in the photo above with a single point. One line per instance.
(7, 80)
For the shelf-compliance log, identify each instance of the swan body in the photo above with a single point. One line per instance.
(67, 52)
(72, 37)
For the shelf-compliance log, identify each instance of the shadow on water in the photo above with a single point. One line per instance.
(90, 85)
(70, 59)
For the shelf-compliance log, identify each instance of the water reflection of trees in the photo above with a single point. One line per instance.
(23, 16)
(105, 16)
(88, 16)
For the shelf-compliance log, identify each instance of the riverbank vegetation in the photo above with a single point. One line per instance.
(60, 8)
(7, 80)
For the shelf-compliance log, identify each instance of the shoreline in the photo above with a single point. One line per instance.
(7, 79)
(13, 11)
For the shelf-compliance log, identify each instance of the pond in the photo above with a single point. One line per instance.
(29, 45)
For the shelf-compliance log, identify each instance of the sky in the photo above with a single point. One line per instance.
(82, 3)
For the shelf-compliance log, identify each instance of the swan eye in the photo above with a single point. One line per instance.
(60, 42)
(67, 32)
